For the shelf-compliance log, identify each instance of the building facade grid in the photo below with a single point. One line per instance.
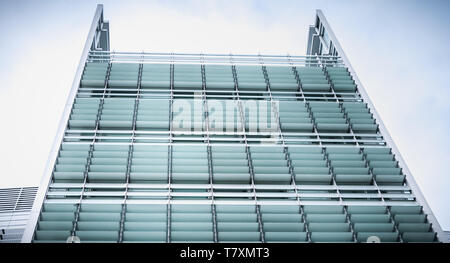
(224, 148)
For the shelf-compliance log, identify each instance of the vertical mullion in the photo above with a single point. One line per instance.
(373, 178)
(347, 120)
(391, 217)
(313, 119)
(297, 77)
(247, 149)
(347, 218)
(91, 149)
(170, 154)
(122, 221)
(308, 232)
(252, 179)
(20, 192)
(324, 68)
(130, 154)
(169, 221)
(124, 205)
(86, 171)
(214, 217)
(273, 105)
(286, 154)
(260, 223)
(240, 108)
(333, 176)
(333, 179)
(277, 116)
(209, 154)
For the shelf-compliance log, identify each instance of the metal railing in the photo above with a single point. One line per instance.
(213, 59)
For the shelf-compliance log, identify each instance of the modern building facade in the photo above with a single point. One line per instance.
(15, 209)
(166, 147)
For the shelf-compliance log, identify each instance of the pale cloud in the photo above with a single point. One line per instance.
(205, 30)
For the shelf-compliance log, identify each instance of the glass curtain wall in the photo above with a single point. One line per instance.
(225, 152)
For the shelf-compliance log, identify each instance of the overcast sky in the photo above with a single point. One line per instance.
(399, 50)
